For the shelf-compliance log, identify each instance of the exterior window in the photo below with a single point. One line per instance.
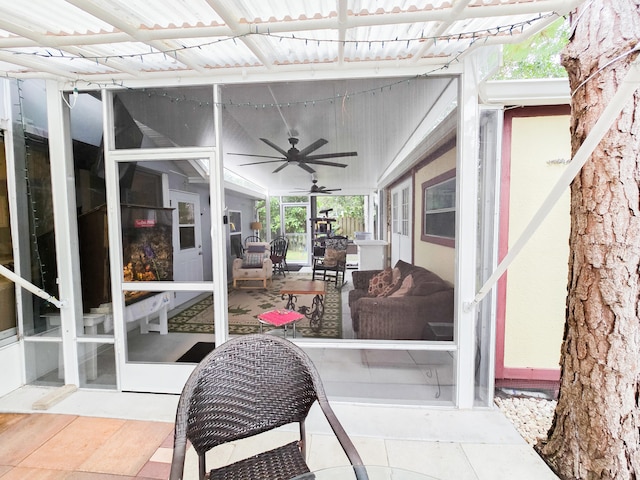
(394, 214)
(187, 220)
(439, 207)
(405, 211)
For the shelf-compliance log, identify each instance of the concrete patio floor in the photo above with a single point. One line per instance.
(93, 435)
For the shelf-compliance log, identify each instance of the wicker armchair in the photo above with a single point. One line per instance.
(249, 385)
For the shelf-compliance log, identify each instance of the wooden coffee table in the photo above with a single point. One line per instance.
(317, 288)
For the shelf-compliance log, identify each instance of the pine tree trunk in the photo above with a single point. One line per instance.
(595, 431)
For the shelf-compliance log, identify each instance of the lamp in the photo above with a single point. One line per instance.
(255, 226)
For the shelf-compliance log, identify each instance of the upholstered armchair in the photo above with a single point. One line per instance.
(255, 264)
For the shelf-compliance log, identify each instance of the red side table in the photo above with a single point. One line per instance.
(280, 318)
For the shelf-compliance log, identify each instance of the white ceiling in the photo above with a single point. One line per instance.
(366, 75)
(374, 118)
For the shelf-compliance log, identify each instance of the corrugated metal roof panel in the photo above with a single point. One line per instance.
(132, 39)
(53, 17)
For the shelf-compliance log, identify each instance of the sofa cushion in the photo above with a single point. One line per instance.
(252, 260)
(405, 287)
(420, 274)
(380, 282)
(427, 288)
(404, 267)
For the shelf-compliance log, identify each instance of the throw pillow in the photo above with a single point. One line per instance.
(333, 257)
(392, 287)
(252, 260)
(396, 280)
(256, 248)
(379, 282)
(397, 275)
(405, 287)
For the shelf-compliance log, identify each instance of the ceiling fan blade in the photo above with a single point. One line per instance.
(280, 167)
(314, 146)
(275, 147)
(265, 161)
(331, 155)
(252, 155)
(306, 167)
(327, 191)
(329, 164)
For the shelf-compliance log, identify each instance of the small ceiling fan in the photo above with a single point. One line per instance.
(300, 157)
(316, 189)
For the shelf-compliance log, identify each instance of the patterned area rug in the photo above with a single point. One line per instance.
(246, 304)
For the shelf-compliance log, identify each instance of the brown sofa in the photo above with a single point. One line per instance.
(429, 300)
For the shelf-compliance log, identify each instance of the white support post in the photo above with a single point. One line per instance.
(66, 228)
(218, 230)
(466, 234)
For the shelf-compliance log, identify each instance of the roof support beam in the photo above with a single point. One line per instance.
(238, 29)
(342, 29)
(38, 65)
(92, 7)
(442, 28)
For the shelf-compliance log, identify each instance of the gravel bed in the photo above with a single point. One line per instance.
(530, 416)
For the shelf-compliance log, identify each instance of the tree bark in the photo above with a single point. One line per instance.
(595, 430)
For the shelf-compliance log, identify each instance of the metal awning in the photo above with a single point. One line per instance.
(94, 41)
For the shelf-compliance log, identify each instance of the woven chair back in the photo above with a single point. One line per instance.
(249, 385)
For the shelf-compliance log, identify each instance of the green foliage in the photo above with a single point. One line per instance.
(296, 221)
(537, 57)
(343, 205)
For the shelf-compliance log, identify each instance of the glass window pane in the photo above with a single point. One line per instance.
(410, 376)
(40, 266)
(441, 196)
(7, 288)
(164, 117)
(185, 212)
(140, 186)
(187, 237)
(165, 317)
(97, 365)
(439, 209)
(43, 362)
(441, 224)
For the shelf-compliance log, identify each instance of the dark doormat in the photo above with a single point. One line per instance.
(293, 268)
(197, 352)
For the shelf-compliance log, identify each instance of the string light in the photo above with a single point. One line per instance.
(471, 36)
(230, 103)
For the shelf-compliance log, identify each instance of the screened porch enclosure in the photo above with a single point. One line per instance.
(379, 121)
